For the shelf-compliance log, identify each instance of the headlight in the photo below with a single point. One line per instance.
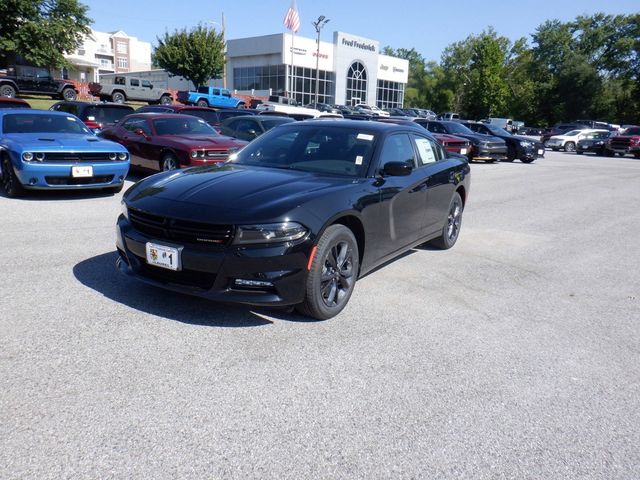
(40, 156)
(27, 156)
(525, 143)
(269, 233)
(122, 156)
(124, 210)
(194, 153)
(113, 156)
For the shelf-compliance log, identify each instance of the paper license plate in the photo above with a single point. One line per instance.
(463, 151)
(163, 256)
(83, 171)
(540, 151)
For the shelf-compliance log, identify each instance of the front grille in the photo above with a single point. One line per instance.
(76, 157)
(180, 230)
(495, 145)
(51, 180)
(457, 144)
(620, 142)
(217, 154)
(191, 278)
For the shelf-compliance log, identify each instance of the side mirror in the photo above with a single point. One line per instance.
(139, 131)
(252, 133)
(150, 86)
(397, 169)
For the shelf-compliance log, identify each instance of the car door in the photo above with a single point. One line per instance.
(133, 90)
(134, 142)
(228, 127)
(247, 129)
(402, 198)
(44, 82)
(440, 174)
(146, 91)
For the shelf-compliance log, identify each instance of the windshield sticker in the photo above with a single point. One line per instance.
(365, 136)
(359, 160)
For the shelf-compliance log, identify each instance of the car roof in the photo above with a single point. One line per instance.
(95, 104)
(32, 111)
(156, 115)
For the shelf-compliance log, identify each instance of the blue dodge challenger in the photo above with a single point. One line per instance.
(52, 150)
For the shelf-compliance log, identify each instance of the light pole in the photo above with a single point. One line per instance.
(321, 22)
(224, 50)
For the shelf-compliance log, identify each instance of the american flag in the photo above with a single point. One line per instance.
(292, 19)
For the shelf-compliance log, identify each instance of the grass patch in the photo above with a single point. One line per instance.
(44, 103)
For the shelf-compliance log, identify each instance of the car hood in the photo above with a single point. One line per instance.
(231, 193)
(447, 137)
(62, 142)
(479, 137)
(202, 141)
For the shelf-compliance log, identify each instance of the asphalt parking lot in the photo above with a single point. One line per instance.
(514, 355)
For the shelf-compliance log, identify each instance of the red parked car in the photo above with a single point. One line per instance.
(451, 143)
(159, 141)
(12, 102)
(628, 142)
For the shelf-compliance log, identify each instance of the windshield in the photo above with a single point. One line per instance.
(497, 130)
(42, 123)
(598, 135)
(208, 116)
(320, 149)
(107, 114)
(453, 127)
(182, 126)
(269, 123)
(572, 133)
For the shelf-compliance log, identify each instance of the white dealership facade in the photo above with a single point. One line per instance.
(350, 69)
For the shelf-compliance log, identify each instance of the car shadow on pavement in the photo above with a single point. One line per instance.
(57, 195)
(100, 274)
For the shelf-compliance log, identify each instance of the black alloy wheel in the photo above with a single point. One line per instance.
(452, 225)
(10, 183)
(7, 91)
(570, 147)
(333, 274)
(168, 162)
(69, 94)
(118, 97)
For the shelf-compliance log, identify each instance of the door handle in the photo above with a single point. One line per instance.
(419, 188)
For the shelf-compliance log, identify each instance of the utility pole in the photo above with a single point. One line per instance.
(321, 22)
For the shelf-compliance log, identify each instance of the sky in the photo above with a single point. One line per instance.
(429, 26)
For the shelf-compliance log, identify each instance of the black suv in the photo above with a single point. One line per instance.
(21, 79)
(95, 115)
(524, 148)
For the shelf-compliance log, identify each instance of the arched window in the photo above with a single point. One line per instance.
(356, 84)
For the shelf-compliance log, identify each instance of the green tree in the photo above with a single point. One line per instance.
(41, 31)
(196, 55)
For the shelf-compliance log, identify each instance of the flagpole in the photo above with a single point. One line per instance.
(293, 41)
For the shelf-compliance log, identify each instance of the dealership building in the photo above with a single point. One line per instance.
(350, 69)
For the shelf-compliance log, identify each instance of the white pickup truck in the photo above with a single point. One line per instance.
(289, 107)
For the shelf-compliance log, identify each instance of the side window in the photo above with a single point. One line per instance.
(146, 83)
(42, 73)
(215, 91)
(244, 125)
(68, 108)
(436, 128)
(118, 81)
(428, 151)
(397, 148)
(134, 123)
(134, 82)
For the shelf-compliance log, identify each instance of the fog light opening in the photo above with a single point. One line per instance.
(33, 181)
(241, 282)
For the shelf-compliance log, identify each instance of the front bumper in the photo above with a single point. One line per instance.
(41, 176)
(488, 154)
(531, 153)
(210, 271)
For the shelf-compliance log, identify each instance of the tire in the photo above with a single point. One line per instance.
(578, 152)
(168, 162)
(165, 100)
(452, 224)
(609, 153)
(9, 180)
(570, 147)
(636, 155)
(511, 155)
(68, 94)
(526, 160)
(333, 274)
(202, 103)
(118, 97)
(555, 149)
(7, 91)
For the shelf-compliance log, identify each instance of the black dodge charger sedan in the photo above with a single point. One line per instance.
(523, 148)
(296, 216)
